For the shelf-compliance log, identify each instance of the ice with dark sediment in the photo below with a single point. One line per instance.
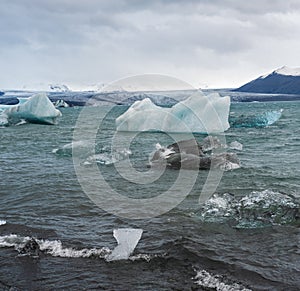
(194, 155)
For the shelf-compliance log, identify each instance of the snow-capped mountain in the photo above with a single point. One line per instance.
(281, 81)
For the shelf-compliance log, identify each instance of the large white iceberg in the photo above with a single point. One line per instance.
(198, 113)
(37, 109)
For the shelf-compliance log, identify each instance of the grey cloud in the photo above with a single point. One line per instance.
(99, 40)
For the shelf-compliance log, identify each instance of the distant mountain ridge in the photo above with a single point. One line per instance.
(281, 81)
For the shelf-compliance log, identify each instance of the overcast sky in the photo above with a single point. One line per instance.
(214, 44)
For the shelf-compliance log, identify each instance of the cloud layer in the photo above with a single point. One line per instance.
(222, 43)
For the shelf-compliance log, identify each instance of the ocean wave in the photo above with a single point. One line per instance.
(82, 147)
(257, 209)
(260, 120)
(2, 222)
(217, 282)
(54, 248)
(30, 246)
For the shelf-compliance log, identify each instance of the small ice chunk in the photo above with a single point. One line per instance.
(2, 222)
(127, 239)
(235, 145)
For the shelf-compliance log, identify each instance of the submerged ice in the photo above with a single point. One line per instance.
(36, 109)
(257, 209)
(198, 113)
(260, 120)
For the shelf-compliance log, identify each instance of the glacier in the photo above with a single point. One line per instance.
(198, 113)
(36, 109)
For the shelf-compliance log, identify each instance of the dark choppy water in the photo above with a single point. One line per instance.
(248, 239)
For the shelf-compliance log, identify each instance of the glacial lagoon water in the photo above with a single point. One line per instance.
(246, 236)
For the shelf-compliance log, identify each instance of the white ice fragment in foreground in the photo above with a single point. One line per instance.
(198, 113)
(37, 109)
(127, 239)
(3, 119)
(235, 145)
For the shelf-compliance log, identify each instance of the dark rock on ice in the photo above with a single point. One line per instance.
(31, 248)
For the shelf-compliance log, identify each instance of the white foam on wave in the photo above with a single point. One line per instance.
(146, 257)
(207, 280)
(56, 249)
(13, 240)
(2, 222)
(52, 247)
(127, 240)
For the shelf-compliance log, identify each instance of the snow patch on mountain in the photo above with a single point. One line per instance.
(288, 71)
(285, 71)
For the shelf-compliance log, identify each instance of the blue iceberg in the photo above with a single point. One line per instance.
(198, 113)
(260, 120)
(36, 109)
